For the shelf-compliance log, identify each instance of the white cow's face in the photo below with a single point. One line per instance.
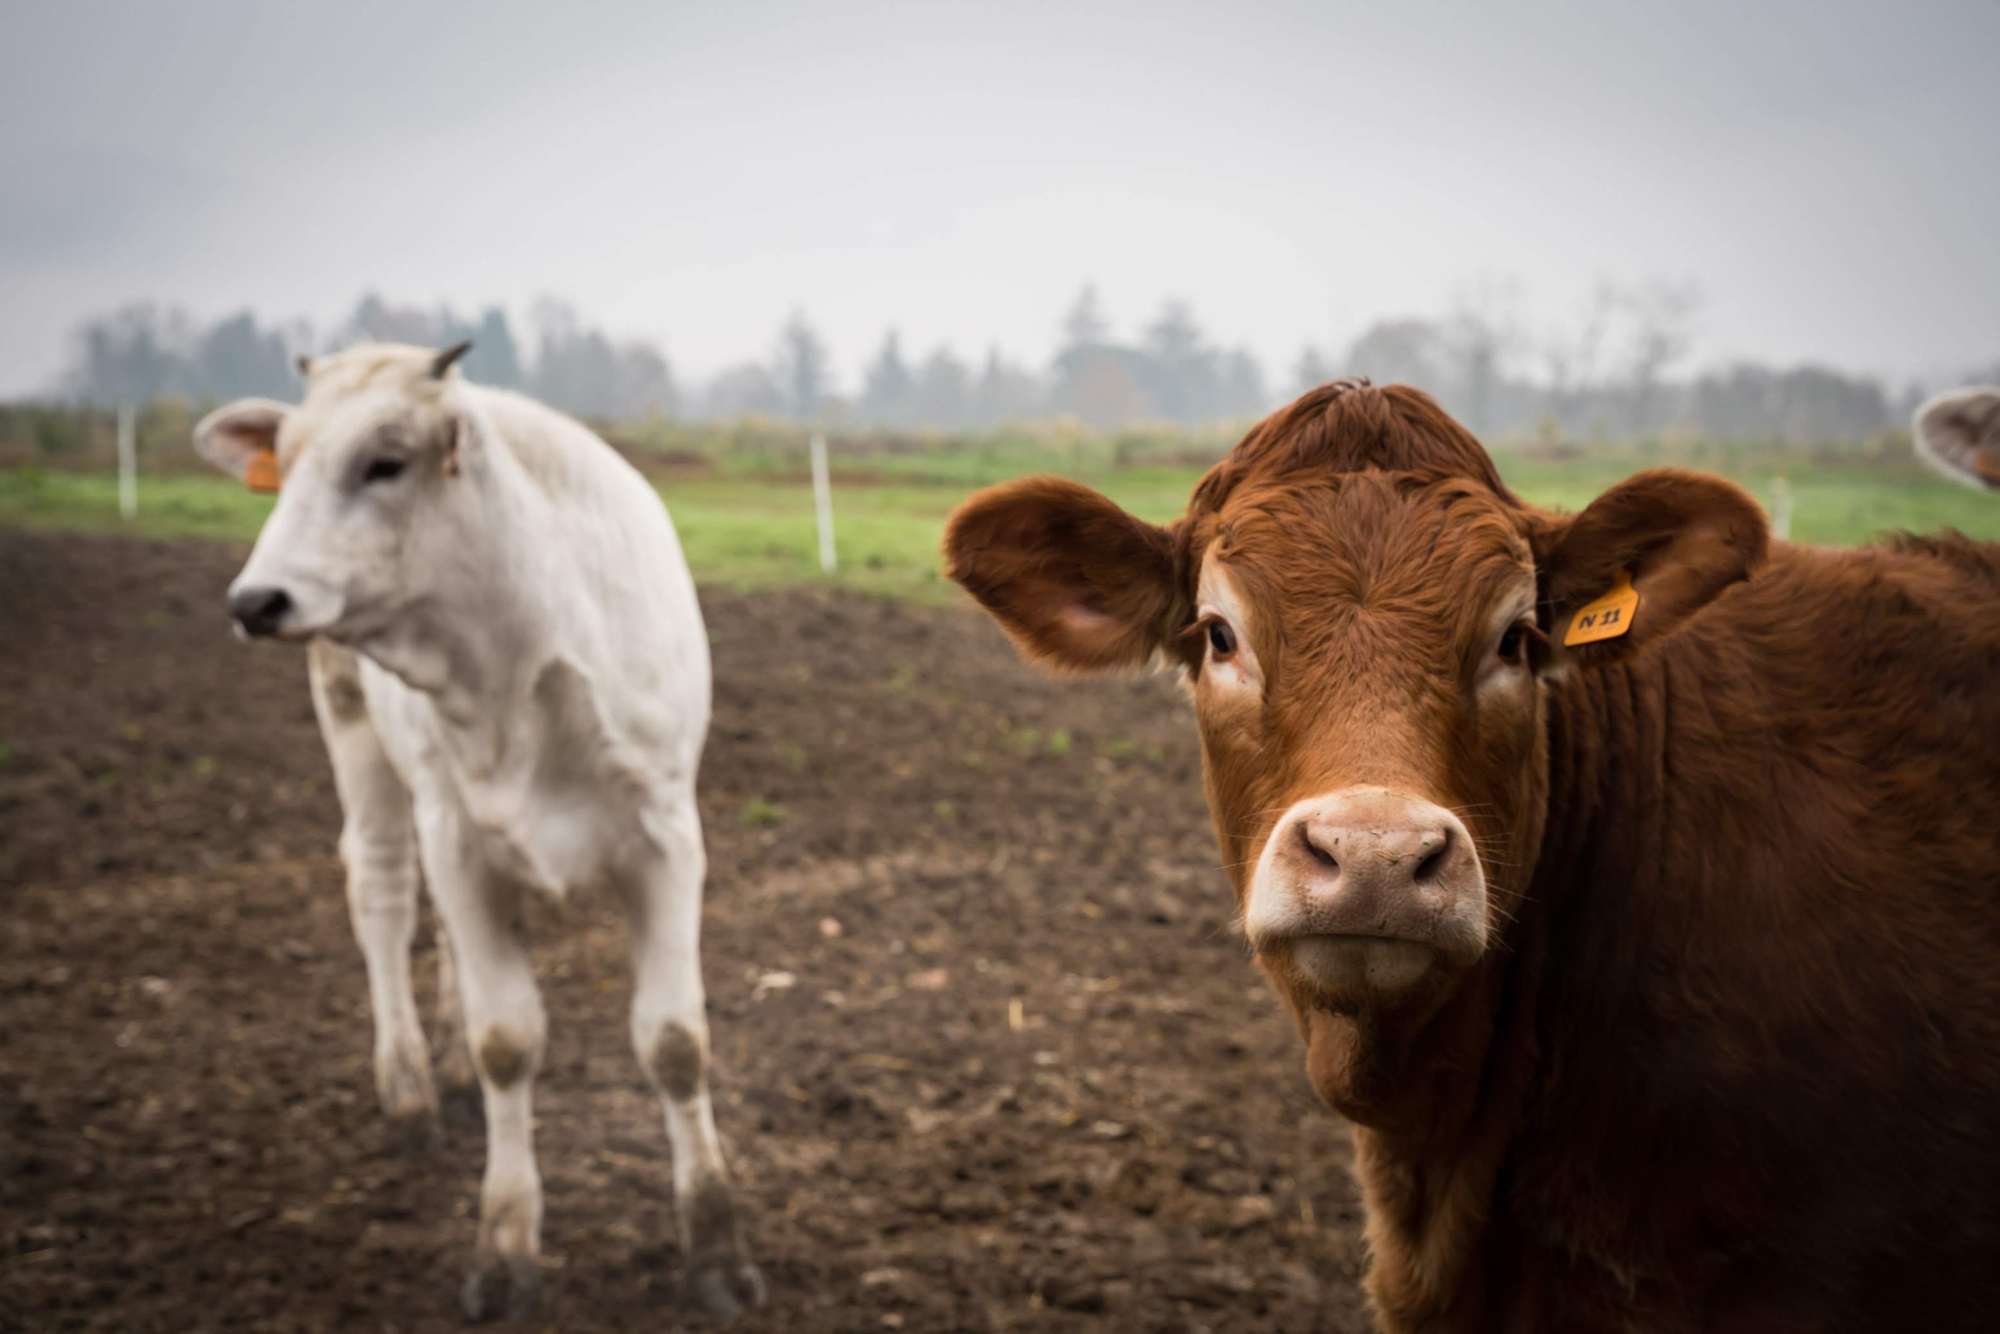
(369, 518)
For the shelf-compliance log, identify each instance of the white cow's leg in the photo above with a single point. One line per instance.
(378, 843)
(454, 1064)
(508, 1030)
(670, 1034)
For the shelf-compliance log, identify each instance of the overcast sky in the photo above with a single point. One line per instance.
(1827, 174)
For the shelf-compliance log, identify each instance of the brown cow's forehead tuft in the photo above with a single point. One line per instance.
(1355, 498)
(1372, 538)
(1350, 426)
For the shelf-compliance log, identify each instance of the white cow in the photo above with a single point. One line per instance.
(1958, 433)
(512, 677)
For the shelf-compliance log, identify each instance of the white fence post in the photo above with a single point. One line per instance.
(128, 463)
(1781, 509)
(822, 502)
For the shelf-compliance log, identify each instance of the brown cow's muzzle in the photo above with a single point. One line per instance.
(1363, 894)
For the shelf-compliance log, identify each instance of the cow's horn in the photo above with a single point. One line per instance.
(304, 362)
(442, 362)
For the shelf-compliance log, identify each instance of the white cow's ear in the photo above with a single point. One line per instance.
(1959, 435)
(233, 435)
(461, 442)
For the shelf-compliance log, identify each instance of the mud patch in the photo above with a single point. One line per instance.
(984, 1052)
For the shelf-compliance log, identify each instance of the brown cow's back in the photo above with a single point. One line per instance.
(1771, 883)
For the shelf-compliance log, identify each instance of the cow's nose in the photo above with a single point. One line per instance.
(1369, 862)
(260, 611)
(1345, 844)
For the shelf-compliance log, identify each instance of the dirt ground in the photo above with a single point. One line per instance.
(909, 833)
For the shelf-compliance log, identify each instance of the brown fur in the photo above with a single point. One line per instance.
(1733, 1058)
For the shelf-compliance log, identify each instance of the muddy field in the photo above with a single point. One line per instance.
(908, 834)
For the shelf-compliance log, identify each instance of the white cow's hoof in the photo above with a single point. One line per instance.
(501, 1286)
(727, 1288)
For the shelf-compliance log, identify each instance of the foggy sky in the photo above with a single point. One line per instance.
(1828, 174)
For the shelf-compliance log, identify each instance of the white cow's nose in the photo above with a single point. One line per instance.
(1370, 863)
(259, 609)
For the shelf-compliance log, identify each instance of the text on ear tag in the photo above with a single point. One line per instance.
(261, 473)
(1608, 617)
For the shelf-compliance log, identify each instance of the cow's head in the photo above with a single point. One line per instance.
(1369, 623)
(366, 519)
(1958, 433)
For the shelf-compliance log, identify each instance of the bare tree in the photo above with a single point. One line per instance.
(744, 390)
(133, 355)
(1085, 327)
(581, 370)
(1244, 393)
(942, 393)
(1399, 352)
(801, 368)
(1005, 392)
(1177, 368)
(234, 358)
(885, 390)
(1661, 320)
(1572, 359)
(1311, 370)
(1483, 336)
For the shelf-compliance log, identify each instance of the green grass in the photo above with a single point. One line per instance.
(1832, 504)
(759, 532)
(171, 506)
(753, 527)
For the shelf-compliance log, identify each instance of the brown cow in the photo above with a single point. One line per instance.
(1660, 974)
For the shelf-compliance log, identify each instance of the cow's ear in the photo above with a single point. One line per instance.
(232, 436)
(1678, 538)
(1959, 435)
(1075, 581)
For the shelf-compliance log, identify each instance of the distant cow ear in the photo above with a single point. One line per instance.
(1075, 581)
(1680, 537)
(233, 435)
(1959, 435)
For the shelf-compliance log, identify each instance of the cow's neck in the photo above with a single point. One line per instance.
(1438, 1101)
(476, 650)
(1433, 1141)
(1434, 1103)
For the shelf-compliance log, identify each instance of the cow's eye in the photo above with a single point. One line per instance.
(385, 469)
(1510, 644)
(1221, 639)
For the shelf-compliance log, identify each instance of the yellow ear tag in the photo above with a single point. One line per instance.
(261, 473)
(1608, 617)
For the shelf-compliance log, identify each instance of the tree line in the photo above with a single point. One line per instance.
(1611, 371)
(145, 352)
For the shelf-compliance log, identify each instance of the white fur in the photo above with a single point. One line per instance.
(521, 623)
(1957, 431)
